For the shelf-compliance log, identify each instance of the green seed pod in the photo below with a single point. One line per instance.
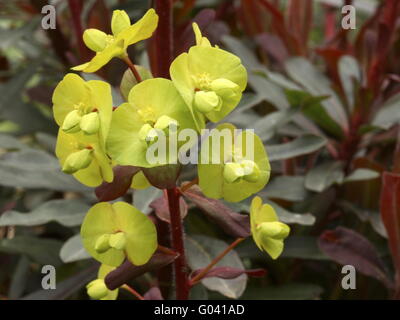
(117, 241)
(207, 101)
(251, 171)
(77, 161)
(225, 88)
(103, 243)
(97, 289)
(233, 172)
(90, 123)
(71, 122)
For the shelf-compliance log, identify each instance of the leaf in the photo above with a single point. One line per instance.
(66, 212)
(348, 247)
(201, 250)
(323, 176)
(73, 250)
(293, 291)
(40, 250)
(143, 198)
(230, 273)
(120, 185)
(305, 219)
(127, 271)
(374, 218)
(312, 108)
(268, 125)
(390, 213)
(350, 73)
(303, 145)
(233, 223)
(161, 208)
(8, 142)
(20, 278)
(289, 188)
(67, 287)
(362, 174)
(317, 84)
(284, 215)
(388, 114)
(35, 169)
(303, 247)
(296, 247)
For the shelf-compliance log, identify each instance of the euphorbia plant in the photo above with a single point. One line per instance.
(109, 147)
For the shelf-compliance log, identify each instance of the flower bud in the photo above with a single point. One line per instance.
(225, 88)
(118, 241)
(71, 122)
(77, 161)
(97, 289)
(102, 243)
(251, 170)
(275, 230)
(148, 134)
(207, 101)
(119, 21)
(233, 172)
(95, 40)
(164, 122)
(90, 123)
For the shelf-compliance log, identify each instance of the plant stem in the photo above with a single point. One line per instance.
(166, 250)
(75, 6)
(181, 277)
(131, 66)
(133, 291)
(164, 38)
(199, 276)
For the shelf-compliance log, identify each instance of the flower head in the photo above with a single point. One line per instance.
(123, 35)
(113, 232)
(80, 106)
(268, 232)
(84, 157)
(155, 110)
(233, 165)
(209, 79)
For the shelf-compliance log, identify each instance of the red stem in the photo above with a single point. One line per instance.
(181, 276)
(75, 7)
(164, 38)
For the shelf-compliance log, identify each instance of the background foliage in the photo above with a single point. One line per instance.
(325, 101)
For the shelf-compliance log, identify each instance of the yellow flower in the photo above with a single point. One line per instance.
(268, 232)
(124, 34)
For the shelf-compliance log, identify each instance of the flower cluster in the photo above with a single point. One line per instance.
(206, 85)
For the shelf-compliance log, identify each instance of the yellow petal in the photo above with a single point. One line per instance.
(119, 22)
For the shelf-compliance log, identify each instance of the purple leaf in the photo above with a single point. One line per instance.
(348, 247)
(128, 271)
(160, 206)
(233, 223)
(123, 175)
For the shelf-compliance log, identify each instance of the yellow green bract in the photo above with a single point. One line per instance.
(226, 170)
(210, 80)
(84, 157)
(81, 106)
(268, 233)
(113, 232)
(97, 289)
(124, 34)
(154, 105)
